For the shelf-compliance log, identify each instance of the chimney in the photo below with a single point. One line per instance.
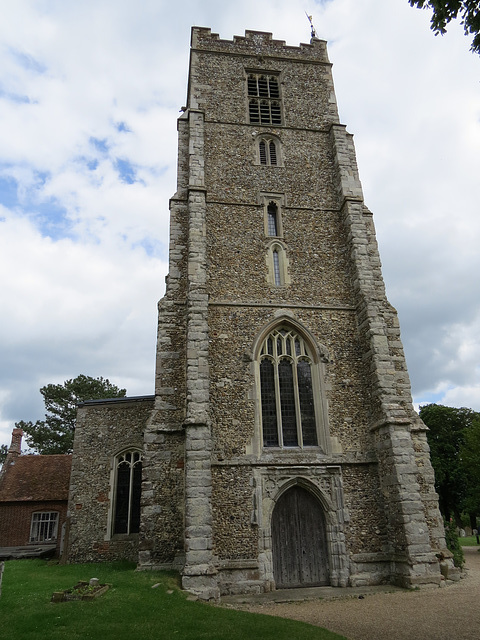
(16, 444)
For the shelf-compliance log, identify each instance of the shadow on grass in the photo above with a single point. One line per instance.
(131, 609)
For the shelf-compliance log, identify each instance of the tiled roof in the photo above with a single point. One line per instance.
(36, 478)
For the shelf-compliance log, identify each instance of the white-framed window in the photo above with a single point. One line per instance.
(44, 526)
(288, 378)
(127, 492)
(264, 105)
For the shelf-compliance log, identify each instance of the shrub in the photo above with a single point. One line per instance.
(453, 543)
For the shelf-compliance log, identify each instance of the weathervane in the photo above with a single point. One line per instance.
(314, 33)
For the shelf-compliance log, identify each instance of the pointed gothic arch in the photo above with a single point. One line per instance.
(300, 551)
(292, 411)
(127, 485)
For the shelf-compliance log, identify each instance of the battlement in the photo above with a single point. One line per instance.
(258, 43)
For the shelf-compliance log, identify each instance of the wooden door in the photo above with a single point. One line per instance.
(299, 547)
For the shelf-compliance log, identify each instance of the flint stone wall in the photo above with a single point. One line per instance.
(103, 429)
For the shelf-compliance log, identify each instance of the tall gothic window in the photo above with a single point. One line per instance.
(287, 399)
(264, 99)
(128, 487)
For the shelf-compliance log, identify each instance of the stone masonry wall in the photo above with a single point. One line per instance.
(102, 431)
(320, 295)
(381, 512)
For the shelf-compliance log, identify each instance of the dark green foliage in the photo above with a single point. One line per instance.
(446, 437)
(453, 543)
(446, 10)
(470, 459)
(131, 608)
(3, 452)
(454, 438)
(55, 433)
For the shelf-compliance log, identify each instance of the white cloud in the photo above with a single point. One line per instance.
(83, 237)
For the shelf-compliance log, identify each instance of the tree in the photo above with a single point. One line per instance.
(470, 459)
(453, 543)
(55, 433)
(450, 432)
(3, 453)
(446, 10)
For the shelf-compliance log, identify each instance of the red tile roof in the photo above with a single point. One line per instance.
(36, 478)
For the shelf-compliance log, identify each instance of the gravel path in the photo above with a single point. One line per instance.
(450, 613)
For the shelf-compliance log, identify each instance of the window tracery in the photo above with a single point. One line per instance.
(288, 411)
(128, 485)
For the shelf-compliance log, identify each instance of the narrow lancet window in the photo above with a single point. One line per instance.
(262, 149)
(273, 152)
(272, 214)
(276, 268)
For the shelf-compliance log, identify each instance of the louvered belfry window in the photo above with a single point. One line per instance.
(273, 152)
(264, 99)
(267, 151)
(288, 408)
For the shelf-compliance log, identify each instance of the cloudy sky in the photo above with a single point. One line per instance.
(89, 96)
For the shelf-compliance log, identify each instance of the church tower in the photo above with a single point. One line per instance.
(283, 449)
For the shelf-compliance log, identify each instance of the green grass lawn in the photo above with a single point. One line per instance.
(130, 610)
(468, 541)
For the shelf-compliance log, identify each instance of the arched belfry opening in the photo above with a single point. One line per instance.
(299, 541)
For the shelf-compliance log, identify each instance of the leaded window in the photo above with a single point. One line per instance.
(44, 526)
(287, 398)
(277, 276)
(128, 487)
(264, 99)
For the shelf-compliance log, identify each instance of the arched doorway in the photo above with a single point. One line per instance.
(299, 545)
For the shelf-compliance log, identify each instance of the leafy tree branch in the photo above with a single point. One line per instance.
(444, 11)
(55, 434)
